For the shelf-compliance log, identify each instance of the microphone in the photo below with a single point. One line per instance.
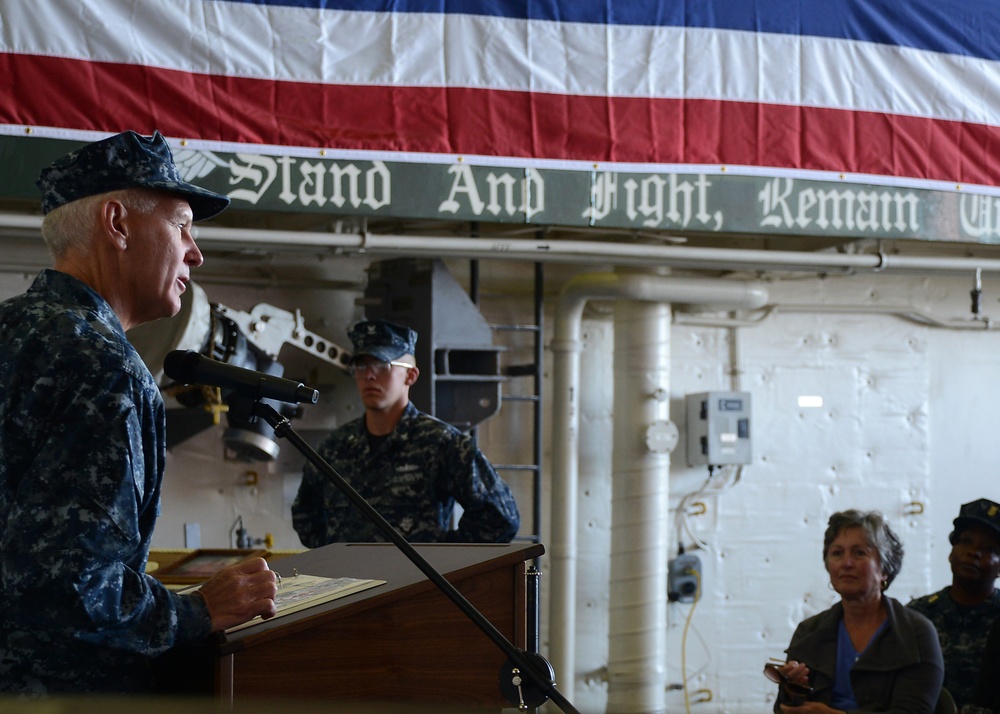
(189, 367)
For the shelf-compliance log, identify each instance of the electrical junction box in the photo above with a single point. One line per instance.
(718, 428)
(684, 578)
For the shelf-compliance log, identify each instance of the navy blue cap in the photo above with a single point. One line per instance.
(126, 160)
(983, 512)
(382, 340)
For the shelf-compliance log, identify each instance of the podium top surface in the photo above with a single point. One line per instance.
(377, 561)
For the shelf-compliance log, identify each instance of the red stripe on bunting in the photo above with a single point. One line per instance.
(111, 97)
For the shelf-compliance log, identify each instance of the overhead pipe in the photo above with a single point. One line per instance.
(579, 252)
(626, 254)
(566, 346)
(560, 250)
(904, 312)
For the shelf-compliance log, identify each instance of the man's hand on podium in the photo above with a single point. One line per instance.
(240, 593)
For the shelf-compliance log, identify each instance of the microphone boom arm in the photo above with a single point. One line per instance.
(529, 664)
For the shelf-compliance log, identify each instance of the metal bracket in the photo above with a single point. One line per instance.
(270, 327)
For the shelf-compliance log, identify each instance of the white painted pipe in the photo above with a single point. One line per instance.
(560, 250)
(566, 346)
(637, 624)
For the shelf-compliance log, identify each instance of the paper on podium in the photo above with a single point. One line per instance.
(299, 591)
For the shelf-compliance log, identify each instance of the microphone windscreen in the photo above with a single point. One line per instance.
(180, 365)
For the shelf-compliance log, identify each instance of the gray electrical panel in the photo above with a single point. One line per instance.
(718, 428)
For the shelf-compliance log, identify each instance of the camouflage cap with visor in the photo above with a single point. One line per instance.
(125, 160)
(983, 512)
(382, 340)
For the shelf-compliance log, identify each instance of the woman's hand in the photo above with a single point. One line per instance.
(795, 672)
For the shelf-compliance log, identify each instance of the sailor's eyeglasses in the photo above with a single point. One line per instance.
(376, 367)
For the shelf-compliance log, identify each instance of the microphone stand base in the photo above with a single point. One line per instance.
(521, 691)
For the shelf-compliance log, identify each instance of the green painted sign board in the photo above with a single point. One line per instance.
(642, 200)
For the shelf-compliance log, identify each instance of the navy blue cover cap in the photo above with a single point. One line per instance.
(125, 160)
(983, 512)
(382, 340)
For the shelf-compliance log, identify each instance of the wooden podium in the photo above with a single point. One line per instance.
(401, 641)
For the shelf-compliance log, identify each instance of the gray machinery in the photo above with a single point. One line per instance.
(459, 365)
(460, 368)
(250, 340)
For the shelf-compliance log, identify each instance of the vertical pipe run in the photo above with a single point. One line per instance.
(639, 528)
(537, 447)
(533, 627)
(566, 346)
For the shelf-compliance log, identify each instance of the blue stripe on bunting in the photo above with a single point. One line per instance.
(962, 27)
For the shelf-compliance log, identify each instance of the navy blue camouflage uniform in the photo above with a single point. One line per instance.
(412, 477)
(962, 632)
(82, 452)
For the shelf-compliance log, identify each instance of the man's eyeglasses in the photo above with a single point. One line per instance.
(376, 367)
